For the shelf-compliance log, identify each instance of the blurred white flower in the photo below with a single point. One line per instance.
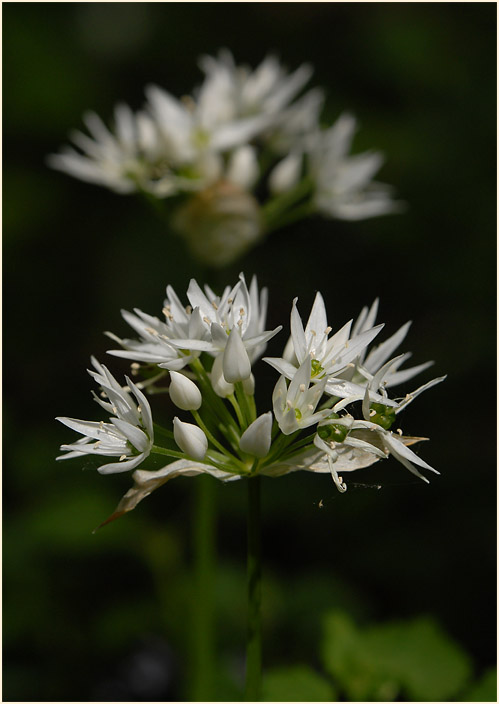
(343, 183)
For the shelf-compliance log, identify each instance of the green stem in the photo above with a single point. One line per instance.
(298, 213)
(254, 636)
(157, 450)
(238, 411)
(203, 631)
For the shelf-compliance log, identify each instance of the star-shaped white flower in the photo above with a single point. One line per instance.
(343, 183)
(294, 406)
(129, 436)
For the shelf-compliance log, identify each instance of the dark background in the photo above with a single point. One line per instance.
(105, 616)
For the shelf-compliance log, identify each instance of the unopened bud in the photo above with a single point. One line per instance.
(236, 364)
(184, 393)
(221, 387)
(190, 438)
(257, 437)
(286, 174)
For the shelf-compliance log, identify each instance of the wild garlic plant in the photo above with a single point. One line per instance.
(244, 154)
(331, 410)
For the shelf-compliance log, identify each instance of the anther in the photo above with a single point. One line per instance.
(214, 304)
(123, 457)
(302, 387)
(399, 431)
(188, 310)
(139, 409)
(310, 407)
(372, 412)
(114, 409)
(327, 330)
(207, 320)
(289, 404)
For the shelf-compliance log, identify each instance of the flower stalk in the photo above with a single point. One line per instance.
(254, 634)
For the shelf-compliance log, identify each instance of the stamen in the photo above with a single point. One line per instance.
(214, 304)
(310, 407)
(115, 410)
(151, 331)
(399, 431)
(372, 412)
(123, 457)
(327, 330)
(188, 310)
(207, 320)
(302, 387)
(289, 404)
(139, 409)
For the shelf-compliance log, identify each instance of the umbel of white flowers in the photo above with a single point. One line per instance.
(240, 133)
(205, 352)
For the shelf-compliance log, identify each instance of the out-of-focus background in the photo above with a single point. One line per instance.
(106, 616)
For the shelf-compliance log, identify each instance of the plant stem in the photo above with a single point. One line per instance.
(203, 641)
(254, 636)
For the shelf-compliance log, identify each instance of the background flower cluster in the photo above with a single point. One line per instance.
(421, 79)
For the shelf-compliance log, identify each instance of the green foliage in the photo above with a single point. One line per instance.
(297, 683)
(412, 660)
(485, 690)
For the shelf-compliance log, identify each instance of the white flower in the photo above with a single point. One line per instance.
(256, 439)
(371, 361)
(190, 438)
(195, 128)
(330, 355)
(294, 406)
(153, 344)
(237, 307)
(184, 393)
(123, 161)
(241, 92)
(343, 183)
(129, 436)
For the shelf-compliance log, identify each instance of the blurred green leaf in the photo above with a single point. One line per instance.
(377, 663)
(485, 690)
(297, 683)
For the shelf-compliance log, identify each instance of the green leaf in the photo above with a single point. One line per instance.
(485, 690)
(415, 658)
(297, 683)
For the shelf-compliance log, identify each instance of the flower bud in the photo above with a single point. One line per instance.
(219, 223)
(257, 437)
(243, 168)
(249, 385)
(286, 174)
(190, 438)
(236, 364)
(221, 387)
(184, 393)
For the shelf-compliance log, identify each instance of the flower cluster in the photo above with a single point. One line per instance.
(242, 155)
(205, 352)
